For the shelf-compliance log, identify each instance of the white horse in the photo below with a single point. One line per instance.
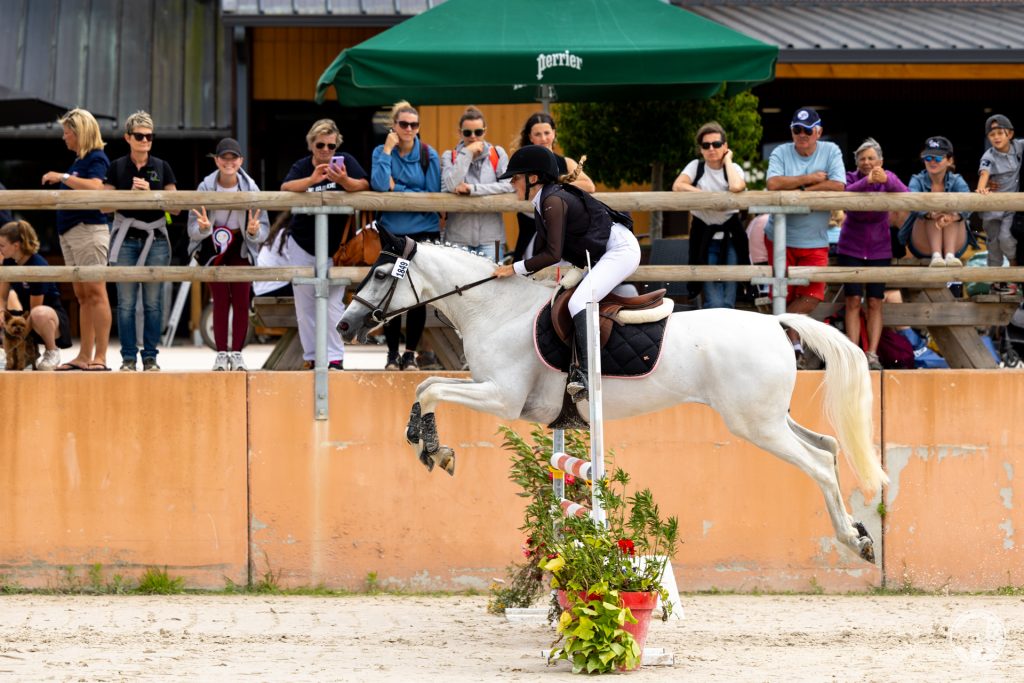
(739, 363)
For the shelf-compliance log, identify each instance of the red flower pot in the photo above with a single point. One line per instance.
(640, 604)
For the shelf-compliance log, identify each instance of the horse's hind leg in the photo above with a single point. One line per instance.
(423, 436)
(815, 455)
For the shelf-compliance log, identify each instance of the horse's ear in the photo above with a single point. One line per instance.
(390, 242)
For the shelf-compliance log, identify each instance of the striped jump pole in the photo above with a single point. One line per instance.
(570, 465)
(571, 509)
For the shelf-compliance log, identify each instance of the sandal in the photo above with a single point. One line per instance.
(68, 367)
(96, 367)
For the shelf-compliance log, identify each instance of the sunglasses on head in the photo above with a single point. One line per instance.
(934, 158)
(802, 130)
(139, 137)
(328, 145)
(468, 132)
(411, 125)
(717, 144)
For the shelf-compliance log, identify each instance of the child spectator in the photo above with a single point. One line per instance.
(999, 171)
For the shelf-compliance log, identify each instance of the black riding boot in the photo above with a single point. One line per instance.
(577, 386)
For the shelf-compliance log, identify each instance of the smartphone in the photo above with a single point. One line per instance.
(338, 162)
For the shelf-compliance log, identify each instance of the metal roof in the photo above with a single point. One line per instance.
(321, 12)
(907, 32)
(171, 58)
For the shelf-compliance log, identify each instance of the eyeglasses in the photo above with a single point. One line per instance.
(410, 125)
(802, 130)
(139, 137)
(479, 132)
(328, 145)
(932, 158)
(717, 144)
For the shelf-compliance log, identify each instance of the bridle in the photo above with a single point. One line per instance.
(379, 312)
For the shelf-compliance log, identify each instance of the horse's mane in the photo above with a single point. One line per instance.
(475, 259)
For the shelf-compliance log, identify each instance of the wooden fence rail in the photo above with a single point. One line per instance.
(413, 201)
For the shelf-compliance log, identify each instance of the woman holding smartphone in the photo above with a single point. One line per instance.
(405, 164)
(326, 169)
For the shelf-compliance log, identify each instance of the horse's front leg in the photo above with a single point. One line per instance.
(482, 396)
(414, 427)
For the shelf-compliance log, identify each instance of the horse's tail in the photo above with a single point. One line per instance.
(848, 402)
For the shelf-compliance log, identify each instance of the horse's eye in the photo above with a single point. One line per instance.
(379, 275)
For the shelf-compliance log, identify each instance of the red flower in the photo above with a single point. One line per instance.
(570, 480)
(626, 546)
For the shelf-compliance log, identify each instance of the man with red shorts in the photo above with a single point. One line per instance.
(812, 165)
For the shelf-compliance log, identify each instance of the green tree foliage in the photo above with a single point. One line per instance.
(627, 142)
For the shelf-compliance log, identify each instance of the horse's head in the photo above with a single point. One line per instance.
(384, 289)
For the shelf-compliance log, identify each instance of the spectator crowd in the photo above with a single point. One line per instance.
(473, 166)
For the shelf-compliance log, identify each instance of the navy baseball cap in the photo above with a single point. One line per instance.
(808, 118)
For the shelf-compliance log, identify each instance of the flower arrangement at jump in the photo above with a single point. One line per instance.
(608, 576)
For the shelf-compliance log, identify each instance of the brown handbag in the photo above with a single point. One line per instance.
(362, 249)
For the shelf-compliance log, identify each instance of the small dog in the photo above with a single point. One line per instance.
(22, 352)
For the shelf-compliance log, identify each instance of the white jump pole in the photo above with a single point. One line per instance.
(596, 404)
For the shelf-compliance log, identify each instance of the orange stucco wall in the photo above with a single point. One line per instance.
(218, 476)
(124, 470)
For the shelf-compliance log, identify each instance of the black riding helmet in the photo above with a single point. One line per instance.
(533, 160)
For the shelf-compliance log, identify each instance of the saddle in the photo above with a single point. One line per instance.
(612, 310)
(632, 331)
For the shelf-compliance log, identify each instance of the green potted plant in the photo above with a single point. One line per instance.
(609, 578)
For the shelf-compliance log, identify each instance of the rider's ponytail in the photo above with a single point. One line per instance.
(570, 178)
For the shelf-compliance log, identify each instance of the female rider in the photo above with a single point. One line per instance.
(539, 129)
(570, 224)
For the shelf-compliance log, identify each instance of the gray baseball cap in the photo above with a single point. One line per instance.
(997, 121)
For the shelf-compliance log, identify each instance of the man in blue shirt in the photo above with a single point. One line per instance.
(811, 165)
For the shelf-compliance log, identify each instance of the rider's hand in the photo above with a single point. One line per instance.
(506, 270)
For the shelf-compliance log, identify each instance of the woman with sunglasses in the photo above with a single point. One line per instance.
(865, 241)
(406, 164)
(325, 169)
(139, 238)
(472, 169)
(943, 234)
(539, 129)
(573, 226)
(716, 237)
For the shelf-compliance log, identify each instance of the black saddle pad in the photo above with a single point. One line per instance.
(631, 351)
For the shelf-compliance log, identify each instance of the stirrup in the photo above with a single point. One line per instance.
(576, 386)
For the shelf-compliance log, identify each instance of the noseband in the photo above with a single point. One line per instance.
(379, 312)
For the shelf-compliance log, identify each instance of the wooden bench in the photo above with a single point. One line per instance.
(951, 322)
(279, 311)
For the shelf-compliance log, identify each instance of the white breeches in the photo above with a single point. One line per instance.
(618, 263)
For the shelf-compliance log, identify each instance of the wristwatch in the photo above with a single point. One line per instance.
(64, 178)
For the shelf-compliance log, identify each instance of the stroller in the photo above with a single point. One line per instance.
(1011, 340)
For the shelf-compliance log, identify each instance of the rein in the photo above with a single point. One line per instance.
(379, 313)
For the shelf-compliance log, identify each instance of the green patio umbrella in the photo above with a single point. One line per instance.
(503, 52)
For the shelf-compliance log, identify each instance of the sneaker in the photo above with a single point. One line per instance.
(873, 362)
(394, 363)
(336, 365)
(937, 260)
(149, 365)
(221, 362)
(408, 361)
(49, 361)
(953, 262)
(129, 365)
(1002, 288)
(428, 361)
(237, 362)
(3, 359)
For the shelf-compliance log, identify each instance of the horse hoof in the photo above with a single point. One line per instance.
(446, 459)
(428, 461)
(865, 543)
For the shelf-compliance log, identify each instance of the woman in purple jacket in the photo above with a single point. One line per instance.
(865, 241)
